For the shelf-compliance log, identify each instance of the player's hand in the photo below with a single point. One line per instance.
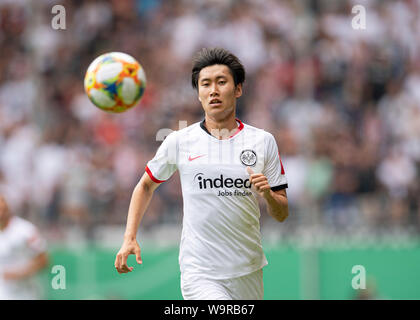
(259, 182)
(128, 247)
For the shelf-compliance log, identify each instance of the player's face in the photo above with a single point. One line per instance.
(4, 212)
(217, 91)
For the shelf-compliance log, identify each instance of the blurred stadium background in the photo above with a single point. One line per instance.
(343, 104)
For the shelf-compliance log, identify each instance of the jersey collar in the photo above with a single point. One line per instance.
(240, 127)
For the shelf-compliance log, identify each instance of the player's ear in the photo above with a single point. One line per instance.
(238, 90)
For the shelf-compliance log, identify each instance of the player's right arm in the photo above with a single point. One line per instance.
(139, 202)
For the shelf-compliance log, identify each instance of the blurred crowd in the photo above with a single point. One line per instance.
(343, 104)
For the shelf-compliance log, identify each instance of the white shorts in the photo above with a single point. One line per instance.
(248, 287)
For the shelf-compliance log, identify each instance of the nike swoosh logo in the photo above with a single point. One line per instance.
(191, 159)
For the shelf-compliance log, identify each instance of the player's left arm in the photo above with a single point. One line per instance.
(31, 268)
(278, 206)
(36, 248)
(277, 202)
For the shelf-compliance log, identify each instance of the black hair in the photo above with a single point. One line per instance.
(210, 56)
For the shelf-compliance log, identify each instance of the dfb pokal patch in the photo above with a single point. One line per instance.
(248, 158)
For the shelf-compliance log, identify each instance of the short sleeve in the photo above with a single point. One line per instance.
(273, 166)
(164, 163)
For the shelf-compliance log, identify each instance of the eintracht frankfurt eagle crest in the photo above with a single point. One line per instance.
(248, 158)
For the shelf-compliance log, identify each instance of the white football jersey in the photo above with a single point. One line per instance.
(221, 236)
(20, 241)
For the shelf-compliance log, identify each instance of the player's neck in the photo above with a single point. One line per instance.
(221, 129)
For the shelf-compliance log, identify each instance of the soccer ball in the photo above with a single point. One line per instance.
(115, 82)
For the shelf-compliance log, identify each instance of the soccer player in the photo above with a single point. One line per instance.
(224, 166)
(22, 255)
